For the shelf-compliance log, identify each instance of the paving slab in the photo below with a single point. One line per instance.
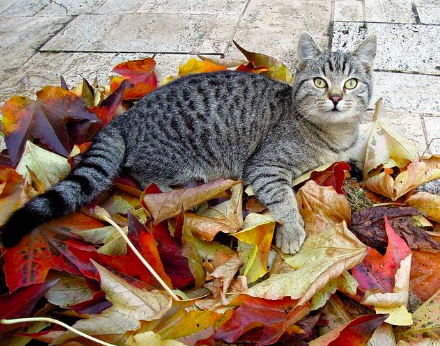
(24, 8)
(5, 4)
(432, 125)
(427, 3)
(47, 68)
(411, 92)
(429, 15)
(274, 27)
(70, 7)
(126, 6)
(20, 37)
(144, 32)
(349, 11)
(194, 6)
(401, 47)
(394, 11)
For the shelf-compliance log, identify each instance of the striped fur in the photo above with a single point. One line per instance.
(226, 124)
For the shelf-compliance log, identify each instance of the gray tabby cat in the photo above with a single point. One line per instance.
(227, 124)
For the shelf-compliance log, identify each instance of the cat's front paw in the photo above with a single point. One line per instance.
(290, 236)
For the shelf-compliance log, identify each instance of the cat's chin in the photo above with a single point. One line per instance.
(335, 116)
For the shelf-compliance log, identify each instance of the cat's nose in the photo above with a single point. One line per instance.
(335, 98)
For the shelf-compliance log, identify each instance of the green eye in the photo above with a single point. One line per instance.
(320, 83)
(351, 84)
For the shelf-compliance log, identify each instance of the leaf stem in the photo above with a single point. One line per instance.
(51, 320)
(142, 259)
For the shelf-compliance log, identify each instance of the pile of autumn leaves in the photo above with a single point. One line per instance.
(211, 243)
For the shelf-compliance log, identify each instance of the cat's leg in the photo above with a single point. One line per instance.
(272, 186)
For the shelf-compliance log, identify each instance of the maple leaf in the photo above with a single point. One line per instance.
(130, 306)
(323, 257)
(357, 332)
(44, 249)
(277, 70)
(369, 226)
(21, 302)
(163, 206)
(44, 119)
(275, 316)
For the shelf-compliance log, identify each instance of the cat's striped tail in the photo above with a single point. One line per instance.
(93, 175)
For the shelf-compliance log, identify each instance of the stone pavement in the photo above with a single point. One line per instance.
(43, 39)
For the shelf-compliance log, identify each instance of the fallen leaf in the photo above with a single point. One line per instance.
(255, 241)
(21, 302)
(425, 280)
(11, 192)
(130, 306)
(383, 336)
(193, 66)
(150, 339)
(113, 243)
(43, 119)
(206, 228)
(332, 176)
(189, 250)
(163, 206)
(427, 203)
(356, 332)
(278, 70)
(416, 174)
(229, 63)
(382, 145)
(275, 316)
(250, 67)
(323, 257)
(322, 207)
(369, 226)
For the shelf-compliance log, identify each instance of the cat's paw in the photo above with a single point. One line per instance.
(290, 236)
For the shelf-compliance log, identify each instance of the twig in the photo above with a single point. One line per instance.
(51, 320)
(136, 252)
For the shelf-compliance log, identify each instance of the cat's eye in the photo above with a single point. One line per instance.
(320, 83)
(351, 84)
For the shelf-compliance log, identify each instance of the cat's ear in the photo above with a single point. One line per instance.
(366, 52)
(308, 49)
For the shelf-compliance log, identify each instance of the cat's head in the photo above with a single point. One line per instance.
(333, 87)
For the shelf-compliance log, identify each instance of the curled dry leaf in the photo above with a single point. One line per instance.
(131, 305)
(229, 63)
(382, 145)
(193, 66)
(254, 244)
(416, 174)
(189, 250)
(11, 192)
(322, 207)
(165, 205)
(206, 228)
(427, 203)
(323, 257)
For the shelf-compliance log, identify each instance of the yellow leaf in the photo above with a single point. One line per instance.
(151, 339)
(254, 245)
(323, 257)
(382, 145)
(189, 250)
(322, 207)
(193, 66)
(11, 192)
(113, 243)
(427, 203)
(416, 174)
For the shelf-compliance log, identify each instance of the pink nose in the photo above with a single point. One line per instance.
(335, 99)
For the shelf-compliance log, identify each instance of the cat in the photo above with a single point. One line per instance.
(225, 124)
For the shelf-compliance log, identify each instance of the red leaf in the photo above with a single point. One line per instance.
(46, 248)
(44, 119)
(377, 271)
(138, 71)
(275, 316)
(332, 176)
(20, 303)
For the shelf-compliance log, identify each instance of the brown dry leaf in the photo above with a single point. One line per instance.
(383, 336)
(422, 342)
(189, 250)
(224, 274)
(229, 63)
(416, 174)
(206, 228)
(425, 267)
(383, 146)
(323, 257)
(426, 321)
(11, 192)
(130, 306)
(322, 207)
(427, 203)
(165, 205)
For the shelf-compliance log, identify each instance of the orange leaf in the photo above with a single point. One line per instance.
(425, 280)
(11, 191)
(193, 66)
